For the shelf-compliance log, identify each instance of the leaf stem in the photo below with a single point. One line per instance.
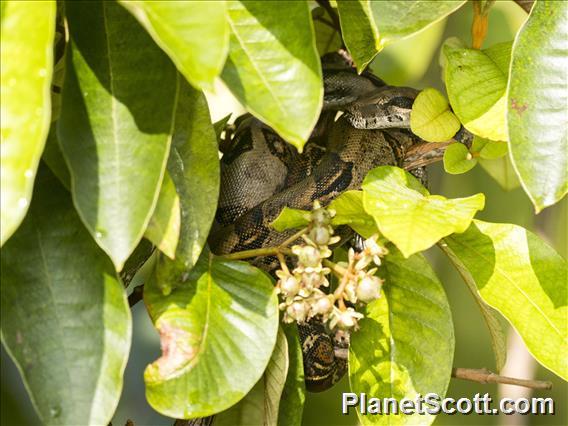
(485, 376)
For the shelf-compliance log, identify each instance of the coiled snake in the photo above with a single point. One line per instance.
(261, 174)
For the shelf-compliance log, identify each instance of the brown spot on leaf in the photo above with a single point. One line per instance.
(178, 349)
(519, 107)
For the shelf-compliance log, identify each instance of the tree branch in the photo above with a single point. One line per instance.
(136, 295)
(485, 376)
(525, 4)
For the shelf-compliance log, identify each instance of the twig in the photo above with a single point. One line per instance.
(485, 376)
(136, 295)
(525, 4)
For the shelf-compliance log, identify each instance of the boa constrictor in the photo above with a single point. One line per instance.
(261, 174)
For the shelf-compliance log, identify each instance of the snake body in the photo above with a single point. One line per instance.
(261, 174)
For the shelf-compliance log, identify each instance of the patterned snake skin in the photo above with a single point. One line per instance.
(261, 174)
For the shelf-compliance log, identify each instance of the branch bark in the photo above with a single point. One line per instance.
(485, 376)
(525, 4)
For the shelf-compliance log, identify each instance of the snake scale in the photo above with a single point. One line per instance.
(261, 174)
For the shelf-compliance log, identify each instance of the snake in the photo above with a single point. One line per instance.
(364, 123)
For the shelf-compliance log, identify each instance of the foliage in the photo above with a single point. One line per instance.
(132, 156)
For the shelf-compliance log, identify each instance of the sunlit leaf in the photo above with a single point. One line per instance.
(164, 226)
(537, 100)
(348, 208)
(290, 219)
(431, 118)
(65, 318)
(368, 26)
(27, 31)
(195, 35)
(115, 125)
(273, 68)
(217, 332)
(412, 219)
(457, 159)
(488, 149)
(476, 81)
(405, 345)
(523, 278)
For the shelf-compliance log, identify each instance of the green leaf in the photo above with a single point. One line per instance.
(260, 405)
(502, 171)
(492, 320)
(27, 31)
(283, 88)
(194, 34)
(194, 168)
(476, 81)
(349, 210)
(115, 125)
(412, 219)
(294, 392)
(360, 31)
(164, 226)
(458, 160)
(405, 345)
(217, 333)
(290, 219)
(523, 278)
(536, 104)
(65, 318)
(368, 26)
(431, 118)
(488, 149)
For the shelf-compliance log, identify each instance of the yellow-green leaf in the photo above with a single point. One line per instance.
(457, 159)
(27, 32)
(431, 118)
(414, 220)
(523, 278)
(476, 81)
(195, 35)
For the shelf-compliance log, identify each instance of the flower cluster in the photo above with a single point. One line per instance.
(303, 289)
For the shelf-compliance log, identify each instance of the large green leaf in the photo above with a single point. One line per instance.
(65, 318)
(476, 81)
(536, 104)
(368, 26)
(294, 392)
(408, 216)
(195, 34)
(260, 405)
(523, 278)
(492, 320)
(406, 342)
(194, 168)
(115, 125)
(273, 67)
(217, 332)
(27, 31)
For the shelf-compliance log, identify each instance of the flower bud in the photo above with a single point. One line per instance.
(307, 255)
(369, 289)
(289, 286)
(348, 318)
(320, 235)
(297, 311)
(322, 306)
